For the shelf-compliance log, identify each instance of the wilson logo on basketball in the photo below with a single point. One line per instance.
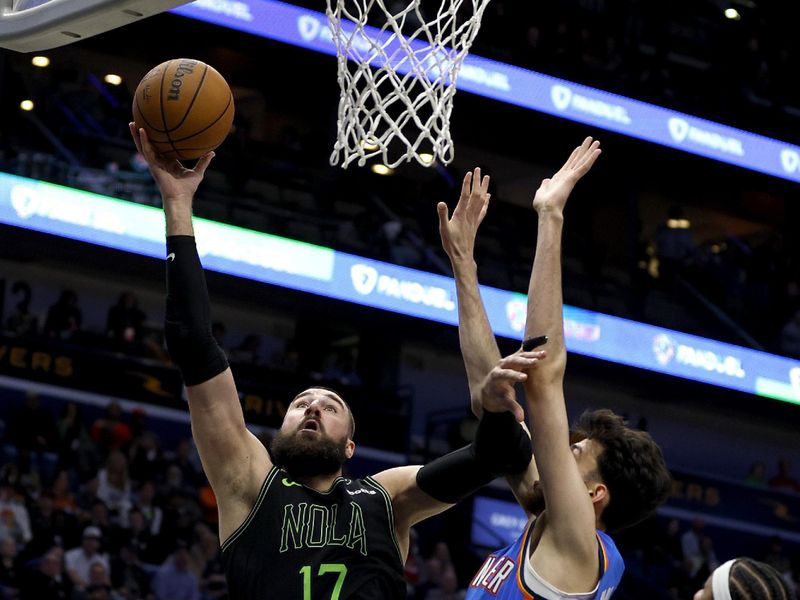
(184, 68)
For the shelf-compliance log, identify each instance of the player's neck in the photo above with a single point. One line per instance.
(321, 483)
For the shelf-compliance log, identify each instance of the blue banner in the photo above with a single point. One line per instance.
(726, 505)
(522, 87)
(305, 267)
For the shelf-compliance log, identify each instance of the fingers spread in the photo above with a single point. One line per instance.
(202, 164)
(444, 217)
(466, 185)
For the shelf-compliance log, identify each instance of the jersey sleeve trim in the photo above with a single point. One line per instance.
(390, 512)
(273, 472)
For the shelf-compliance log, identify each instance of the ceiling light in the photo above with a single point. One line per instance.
(40, 61)
(26, 105)
(426, 158)
(733, 14)
(112, 79)
(370, 144)
(678, 223)
(381, 169)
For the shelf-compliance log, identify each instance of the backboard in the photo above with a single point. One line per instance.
(35, 25)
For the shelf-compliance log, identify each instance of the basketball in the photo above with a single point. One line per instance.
(185, 106)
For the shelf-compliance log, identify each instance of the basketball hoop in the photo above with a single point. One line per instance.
(397, 77)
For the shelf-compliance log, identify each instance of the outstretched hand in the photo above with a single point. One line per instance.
(458, 232)
(553, 193)
(497, 392)
(176, 182)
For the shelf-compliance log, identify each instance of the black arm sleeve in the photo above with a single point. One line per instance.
(501, 447)
(187, 326)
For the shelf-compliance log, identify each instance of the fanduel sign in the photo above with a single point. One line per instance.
(367, 280)
(95, 219)
(564, 98)
(681, 130)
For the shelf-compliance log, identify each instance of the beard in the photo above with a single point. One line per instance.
(308, 456)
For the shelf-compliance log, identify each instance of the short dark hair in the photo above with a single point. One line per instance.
(630, 464)
(754, 580)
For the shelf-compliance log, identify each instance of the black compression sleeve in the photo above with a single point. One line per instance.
(501, 447)
(454, 476)
(187, 326)
(502, 444)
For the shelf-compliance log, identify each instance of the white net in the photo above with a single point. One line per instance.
(398, 66)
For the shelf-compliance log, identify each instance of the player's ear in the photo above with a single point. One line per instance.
(598, 492)
(349, 449)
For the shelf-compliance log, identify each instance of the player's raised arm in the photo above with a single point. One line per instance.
(567, 555)
(233, 459)
(478, 345)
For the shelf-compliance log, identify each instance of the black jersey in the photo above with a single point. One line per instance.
(301, 544)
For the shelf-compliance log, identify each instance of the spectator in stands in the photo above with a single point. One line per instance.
(111, 433)
(698, 552)
(27, 475)
(138, 538)
(74, 444)
(10, 577)
(114, 487)
(49, 580)
(203, 550)
(439, 571)
(757, 475)
(14, 518)
(21, 321)
(744, 578)
(783, 480)
(125, 321)
(63, 498)
(99, 517)
(150, 511)
(184, 459)
(174, 580)
(790, 336)
(287, 360)
(32, 427)
(775, 556)
(446, 588)
(100, 591)
(147, 460)
(50, 526)
(341, 367)
(99, 585)
(88, 497)
(79, 560)
(249, 351)
(128, 577)
(181, 510)
(64, 318)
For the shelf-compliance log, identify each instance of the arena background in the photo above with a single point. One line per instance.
(658, 235)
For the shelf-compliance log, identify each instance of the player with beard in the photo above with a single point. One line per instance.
(608, 478)
(295, 529)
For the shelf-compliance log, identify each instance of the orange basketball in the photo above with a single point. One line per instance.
(185, 106)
